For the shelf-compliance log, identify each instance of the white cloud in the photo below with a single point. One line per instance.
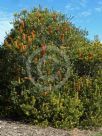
(76, 5)
(86, 13)
(98, 9)
(71, 7)
(83, 3)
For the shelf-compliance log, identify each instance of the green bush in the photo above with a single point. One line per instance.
(79, 101)
(53, 109)
(92, 103)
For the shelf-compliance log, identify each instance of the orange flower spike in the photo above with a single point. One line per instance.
(24, 48)
(27, 78)
(43, 49)
(58, 28)
(37, 14)
(5, 42)
(80, 56)
(19, 46)
(48, 72)
(77, 86)
(90, 56)
(42, 20)
(22, 24)
(20, 29)
(29, 40)
(33, 34)
(19, 38)
(24, 37)
(54, 17)
(50, 29)
(65, 28)
(10, 38)
(46, 93)
(62, 37)
(59, 74)
(35, 60)
(16, 44)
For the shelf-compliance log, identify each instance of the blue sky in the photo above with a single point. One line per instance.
(87, 14)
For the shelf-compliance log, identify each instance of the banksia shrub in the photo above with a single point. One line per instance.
(41, 33)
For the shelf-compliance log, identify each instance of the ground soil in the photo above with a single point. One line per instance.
(14, 128)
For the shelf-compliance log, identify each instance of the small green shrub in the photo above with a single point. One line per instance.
(92, 103)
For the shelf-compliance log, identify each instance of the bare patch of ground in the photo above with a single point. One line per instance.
(11, 128)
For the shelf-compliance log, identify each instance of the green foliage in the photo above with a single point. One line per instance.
(92, 103)
(79, 101)
(98, 134)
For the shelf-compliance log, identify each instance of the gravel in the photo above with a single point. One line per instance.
(12, 128)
